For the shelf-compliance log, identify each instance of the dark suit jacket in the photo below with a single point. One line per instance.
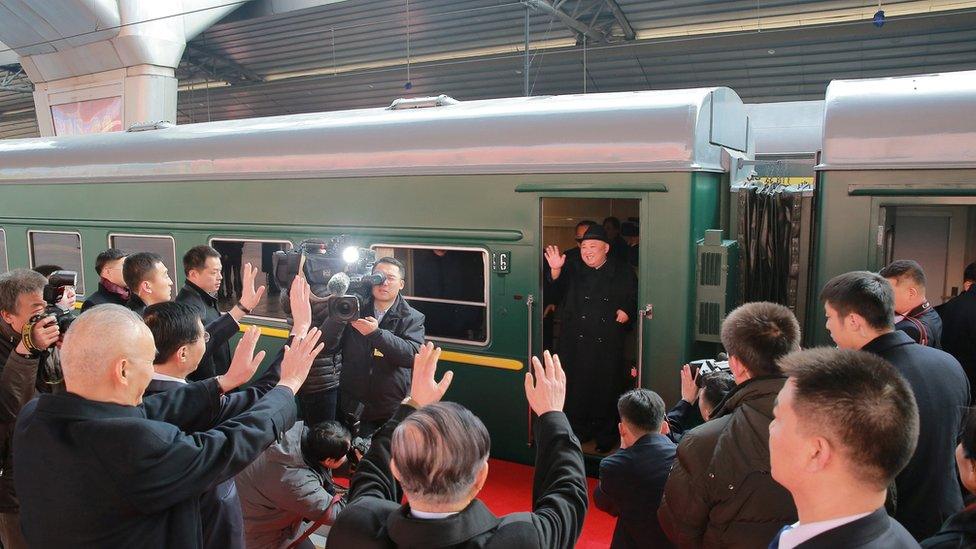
(875, 531)
(928, 490)
(959, 331)
(375, 518)
(220, 507)
(926, 316)
(631, 486)
(217, 360)
(96, 474)
(136, 304)
(100, 297)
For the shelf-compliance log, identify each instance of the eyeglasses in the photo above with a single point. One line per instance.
(206, 337)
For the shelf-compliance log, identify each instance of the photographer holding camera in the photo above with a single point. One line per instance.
(21, 301)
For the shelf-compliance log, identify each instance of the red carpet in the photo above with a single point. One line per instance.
(509, 490)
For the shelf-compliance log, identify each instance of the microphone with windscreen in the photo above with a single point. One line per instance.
(342, 307)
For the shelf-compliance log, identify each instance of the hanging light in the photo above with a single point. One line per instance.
(879, 16)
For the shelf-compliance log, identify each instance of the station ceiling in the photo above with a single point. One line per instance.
(274, 57)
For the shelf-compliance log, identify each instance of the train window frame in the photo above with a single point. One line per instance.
(176, 259)
(81, 251)
(270, 319)
(6, 251)
(486, 262)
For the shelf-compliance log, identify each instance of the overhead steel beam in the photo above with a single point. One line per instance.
(581, 28)
(13, 79)
(596, 21)
(618, 14)
(217, 66)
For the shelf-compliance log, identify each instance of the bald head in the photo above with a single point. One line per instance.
(107, 355)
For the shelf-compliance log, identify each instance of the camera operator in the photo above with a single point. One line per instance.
(378, 350)
(21, 299)
(291, 482)
(708, 390)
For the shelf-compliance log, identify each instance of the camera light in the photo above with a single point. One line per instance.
(350, 255)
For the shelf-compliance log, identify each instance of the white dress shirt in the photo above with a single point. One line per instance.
(799, 533)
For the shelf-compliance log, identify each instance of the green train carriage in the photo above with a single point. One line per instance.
(496, 180)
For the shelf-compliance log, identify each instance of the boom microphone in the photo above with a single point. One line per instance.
(339, 284)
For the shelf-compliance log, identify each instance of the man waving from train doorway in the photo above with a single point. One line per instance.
(599, 303)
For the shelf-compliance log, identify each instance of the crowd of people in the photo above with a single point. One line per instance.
(141, 426)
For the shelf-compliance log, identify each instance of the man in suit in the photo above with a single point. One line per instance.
(860, 315)
(201, 265)
(632, 479)
(959, 325)
(846, 423)
(147, 279)
(99, 466)
(918, 318)
(111, 285)
(437, 453)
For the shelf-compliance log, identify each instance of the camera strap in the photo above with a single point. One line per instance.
(326, 516)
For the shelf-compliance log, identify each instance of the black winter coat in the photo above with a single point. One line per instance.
(720, 492)
(959, 331)
(959, 532)
(218, 359)
(923, 318)
(928, 489)
(376, 369)
(17, 387)
(102, 296)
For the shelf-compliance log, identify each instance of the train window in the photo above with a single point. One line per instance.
(234, 253)
(4, 267)
(162, 245)
(450, 286)
(57, 248)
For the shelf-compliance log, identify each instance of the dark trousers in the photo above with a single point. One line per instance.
(318, 407)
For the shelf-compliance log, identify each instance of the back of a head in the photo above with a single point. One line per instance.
(196, 257)
(864, 293)
(95, 340)
(17, 282)
(111, 254)
(715, 386)
(969, 273)
(173, 324)
(46, 270)
(326, 440)
(758, 334)
(139, 267)
(859, 402)
(438, 451)
(642, 409)
(905, 270)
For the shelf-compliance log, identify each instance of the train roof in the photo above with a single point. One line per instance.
(910, 122)
(647, 131)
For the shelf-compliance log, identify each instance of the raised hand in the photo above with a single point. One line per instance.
(301, 306)
(689, 390)
(622, 317)
(546, 391)
(249, 296)
(244, 363)
(423, 389)
(298, 359)
(554, 258)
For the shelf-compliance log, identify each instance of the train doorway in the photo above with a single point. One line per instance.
(562, 220)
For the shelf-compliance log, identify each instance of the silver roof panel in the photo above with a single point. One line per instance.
(911, 122)
(652, 131)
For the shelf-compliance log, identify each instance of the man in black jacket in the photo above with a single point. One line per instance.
(846, 423)
(919, 319)
(720, 493)
(438, 455)
(21, 298)
(378, 349)
(147, 279)
(111, 285)
(100, 466)
(959, 325)
(632, 479)
(201, 264)
(860, 315)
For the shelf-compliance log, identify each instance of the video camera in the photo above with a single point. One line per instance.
(57, 284)
(706, 366)
(331, 264)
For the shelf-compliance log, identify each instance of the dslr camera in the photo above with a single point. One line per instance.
(331, 264)
(57, 284)
(702, 368)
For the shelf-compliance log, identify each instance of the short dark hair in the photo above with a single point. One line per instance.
(139, 267)
(586, 223)
(438, 450)
(196, 257)
(327, 440)
(47, 270)
(613, 221)
(905, 268)
(867, 294)
(173, 324)
(715, 386)
(969, 273)
(759, 333)
(17, 282)
(641, 408)
(968, 437)
(392, 261)
(859, 400)
(111, 254)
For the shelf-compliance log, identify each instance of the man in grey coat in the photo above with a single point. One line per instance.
(291, 482)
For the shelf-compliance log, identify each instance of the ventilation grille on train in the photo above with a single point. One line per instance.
(716, 289)
(710, 269)
(709, 318)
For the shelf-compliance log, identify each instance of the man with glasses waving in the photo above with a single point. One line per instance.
(378, 350)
